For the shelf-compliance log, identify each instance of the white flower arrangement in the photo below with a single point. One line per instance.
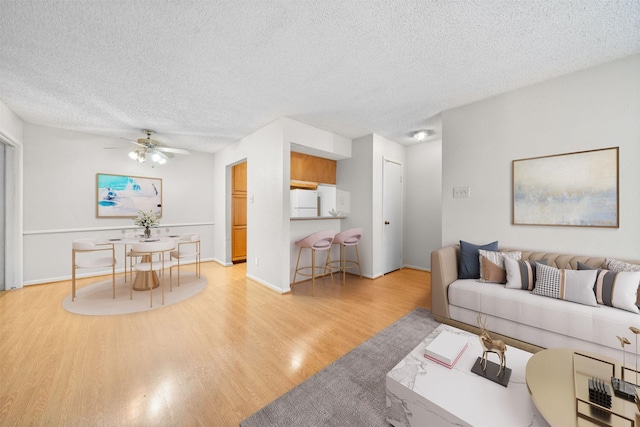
(147, 220)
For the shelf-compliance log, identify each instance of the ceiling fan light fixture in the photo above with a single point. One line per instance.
(156, 157)
(133, 155)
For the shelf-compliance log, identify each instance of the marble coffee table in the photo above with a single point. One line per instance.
(423, 393)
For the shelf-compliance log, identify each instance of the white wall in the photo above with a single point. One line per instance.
(267, 210)
(316, 141)
(60, 168)
(423, 203)
(362, 178)
(11, 127)
(354, 178)
(594, 108)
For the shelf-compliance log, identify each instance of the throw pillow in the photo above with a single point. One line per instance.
(570, 285)
(617, 289)
(469, 267)
(492, 265)
(616, 265)
(521, 274)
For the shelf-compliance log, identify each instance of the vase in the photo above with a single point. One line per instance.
(147, 233)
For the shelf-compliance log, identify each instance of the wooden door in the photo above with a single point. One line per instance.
(239, 212)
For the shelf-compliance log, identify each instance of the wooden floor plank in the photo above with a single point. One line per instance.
(211, 360)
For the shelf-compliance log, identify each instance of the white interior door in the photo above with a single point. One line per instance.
(392, 201)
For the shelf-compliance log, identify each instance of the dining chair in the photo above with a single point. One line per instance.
(84, 247)
(148, 251)
(188, 247)
(129, 254)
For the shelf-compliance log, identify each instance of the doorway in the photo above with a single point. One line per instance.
(239, 212)
(392, 201)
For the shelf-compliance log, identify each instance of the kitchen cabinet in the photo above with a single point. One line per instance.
(305, 167)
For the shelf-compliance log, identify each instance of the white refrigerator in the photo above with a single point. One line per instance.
(304, 203)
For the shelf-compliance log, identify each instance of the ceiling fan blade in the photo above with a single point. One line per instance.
(172, 150)
(132, 141)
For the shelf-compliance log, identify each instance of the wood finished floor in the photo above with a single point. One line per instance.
(212, 360)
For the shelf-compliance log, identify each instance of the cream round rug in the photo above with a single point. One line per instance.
(96, 299)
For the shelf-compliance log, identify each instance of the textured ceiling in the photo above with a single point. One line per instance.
(207, 73)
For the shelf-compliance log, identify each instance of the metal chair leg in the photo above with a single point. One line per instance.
(297, 263)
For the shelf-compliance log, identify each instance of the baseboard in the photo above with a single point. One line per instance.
(222, 263)
(415, 267)
(267, 284)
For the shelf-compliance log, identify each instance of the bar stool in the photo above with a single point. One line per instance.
(350, 237)
(319, 241)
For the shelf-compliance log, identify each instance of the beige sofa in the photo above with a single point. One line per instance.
(527, 318)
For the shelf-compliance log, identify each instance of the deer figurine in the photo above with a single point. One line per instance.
(489, 345)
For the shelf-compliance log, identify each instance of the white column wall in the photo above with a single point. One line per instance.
(267, 204)
(423, 203)
(591, 109)
(355, 182)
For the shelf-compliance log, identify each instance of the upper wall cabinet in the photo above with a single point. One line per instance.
(312, 169)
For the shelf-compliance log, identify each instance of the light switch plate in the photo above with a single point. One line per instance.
(461, 192)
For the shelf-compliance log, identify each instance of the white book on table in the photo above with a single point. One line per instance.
(446, 348)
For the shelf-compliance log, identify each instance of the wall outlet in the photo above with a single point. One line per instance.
(461, 192)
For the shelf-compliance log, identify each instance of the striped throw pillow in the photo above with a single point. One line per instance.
(521, 274)
(617, 289)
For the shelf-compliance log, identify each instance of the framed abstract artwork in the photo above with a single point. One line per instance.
(574, 189)
(124, 196)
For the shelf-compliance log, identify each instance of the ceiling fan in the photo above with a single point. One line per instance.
(147, 146)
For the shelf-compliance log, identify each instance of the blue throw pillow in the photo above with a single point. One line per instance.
(469, 259)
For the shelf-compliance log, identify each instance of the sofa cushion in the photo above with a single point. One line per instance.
(598, 324)
(469, 259)
(492, 265)
(571, 285)
(521, 274)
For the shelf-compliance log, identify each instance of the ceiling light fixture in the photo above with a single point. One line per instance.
(140, 155)
(421, 135)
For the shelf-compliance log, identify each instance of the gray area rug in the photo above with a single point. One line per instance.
(351, 391)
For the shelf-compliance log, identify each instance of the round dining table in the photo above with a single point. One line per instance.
(144, 280)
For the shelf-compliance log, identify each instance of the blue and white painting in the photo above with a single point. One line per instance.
(576, 189)
(125, 196)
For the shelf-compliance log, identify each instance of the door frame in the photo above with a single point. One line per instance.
(13, 242)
